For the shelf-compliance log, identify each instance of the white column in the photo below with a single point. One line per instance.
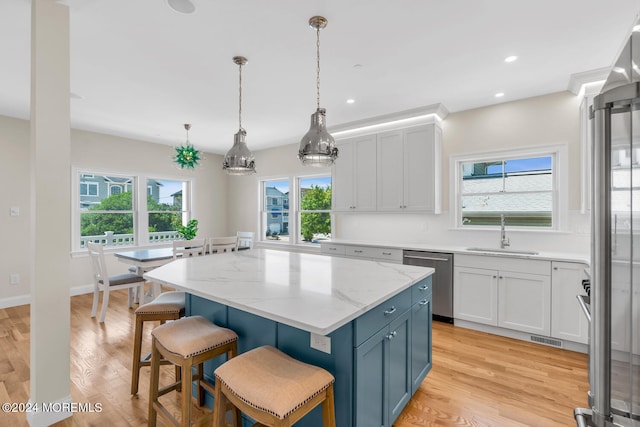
(50, 211)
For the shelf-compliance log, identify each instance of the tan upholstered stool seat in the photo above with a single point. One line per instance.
(168, 306)
(192, 336)
(274, 383)
(167, 302)
(187, 342)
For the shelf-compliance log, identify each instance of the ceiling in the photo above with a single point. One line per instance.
(141, 70)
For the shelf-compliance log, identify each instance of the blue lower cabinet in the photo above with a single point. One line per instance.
(378, 360)
(383, 374)
(420, 341)
(399, 343)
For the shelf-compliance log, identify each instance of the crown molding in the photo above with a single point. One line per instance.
(578, 80)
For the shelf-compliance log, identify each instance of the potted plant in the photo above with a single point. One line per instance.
(189, 231)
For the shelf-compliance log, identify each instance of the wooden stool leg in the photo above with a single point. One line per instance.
(187, 380)
(199, 388)
(328, 409)
(154, 383)
(137, 350)
(219, 408)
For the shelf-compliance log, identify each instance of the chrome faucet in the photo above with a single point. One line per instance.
(504, 241)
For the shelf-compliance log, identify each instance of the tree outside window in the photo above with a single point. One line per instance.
(315, 208)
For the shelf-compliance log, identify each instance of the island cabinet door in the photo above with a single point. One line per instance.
(383, 374)
(399, 342)
(371, 379)
(420, 342)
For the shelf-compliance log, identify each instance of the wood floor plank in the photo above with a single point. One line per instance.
(477, 380)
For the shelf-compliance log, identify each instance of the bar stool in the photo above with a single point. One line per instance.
(187, 342)
(168, 306)
(272, 388)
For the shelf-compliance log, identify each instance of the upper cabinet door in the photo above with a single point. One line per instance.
(354, 175)
(390, 171)
(342, 178)
(422, 160)
(409, 169)
(364, 171)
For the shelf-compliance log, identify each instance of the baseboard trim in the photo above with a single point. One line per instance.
(26, 299)
(524, 336)
(58, 411)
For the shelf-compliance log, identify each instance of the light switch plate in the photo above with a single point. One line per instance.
(15, 211)
(321, 343)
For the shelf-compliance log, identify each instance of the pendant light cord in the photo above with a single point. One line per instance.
(318, 67)
(240, 96)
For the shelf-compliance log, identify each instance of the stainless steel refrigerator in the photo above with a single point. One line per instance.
(614, 344)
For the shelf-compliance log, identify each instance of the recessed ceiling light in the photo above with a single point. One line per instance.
(182, 6)
(357, 66)
(74, 95)
(499, 95)
(511, 58)
(350, 101)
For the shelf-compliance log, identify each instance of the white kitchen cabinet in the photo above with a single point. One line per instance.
(512, 293)
(568, 322)
(524, 302)
(408, 172)
(475, 295)
(354, 175)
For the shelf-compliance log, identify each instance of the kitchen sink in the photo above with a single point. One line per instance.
(503, 251)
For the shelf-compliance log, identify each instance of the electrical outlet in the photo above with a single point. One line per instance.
(14, 279)
(321, 342)
(15, 211)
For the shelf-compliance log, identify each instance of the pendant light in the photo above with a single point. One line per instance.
(239, 160)
(186, 155)
(317, 147)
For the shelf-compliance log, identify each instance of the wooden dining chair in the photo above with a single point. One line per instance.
(245, 239)
(187, 248)
(104, 283)
(223, 244)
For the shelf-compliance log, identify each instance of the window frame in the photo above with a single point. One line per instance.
(140, 212)
(294, 211)
(560, 179)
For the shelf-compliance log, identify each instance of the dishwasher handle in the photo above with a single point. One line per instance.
(584, 305)
(428, 258)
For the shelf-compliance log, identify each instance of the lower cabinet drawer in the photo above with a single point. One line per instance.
(379, 316)
(327, 248)
(389, 255)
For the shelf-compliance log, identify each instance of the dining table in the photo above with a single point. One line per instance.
(146, 260)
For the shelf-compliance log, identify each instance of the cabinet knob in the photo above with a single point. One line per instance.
(555, 268)
(390, 311)
(423, 302)
(500, 277)
(392, 335)
(495, 276)
(423, 288)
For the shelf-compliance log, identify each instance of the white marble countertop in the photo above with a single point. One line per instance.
(315, 293)
(542, 255)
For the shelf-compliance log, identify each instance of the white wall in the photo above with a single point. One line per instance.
(543, 120)
(92, 150)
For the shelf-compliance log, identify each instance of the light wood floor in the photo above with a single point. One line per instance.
(477, 379)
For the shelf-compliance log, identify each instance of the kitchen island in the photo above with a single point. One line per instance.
(366, 322)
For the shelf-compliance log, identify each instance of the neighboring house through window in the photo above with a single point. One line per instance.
(106, 208)
(312, 217)
(522, 185)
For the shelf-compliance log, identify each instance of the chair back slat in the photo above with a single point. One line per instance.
(245, 239)
(223, 244)
(188, 248)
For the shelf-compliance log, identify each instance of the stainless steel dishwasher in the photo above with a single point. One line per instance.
(442, 280)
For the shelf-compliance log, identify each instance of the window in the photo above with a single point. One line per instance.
(315, 209)
(107, 208)
(312, 219)
(166, 207)
(110, 218)
(522, 186)
(89, 188)
(275, 222)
